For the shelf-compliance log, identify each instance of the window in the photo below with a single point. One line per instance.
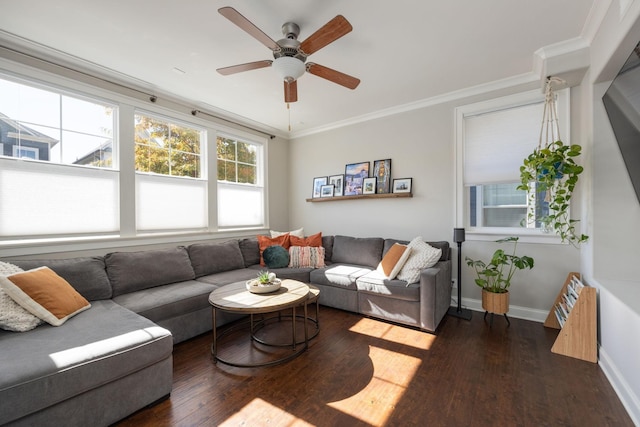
(240, 183)
(170, 195)
(167, 148)
(65, 183)
(493, 138)
(43, 124)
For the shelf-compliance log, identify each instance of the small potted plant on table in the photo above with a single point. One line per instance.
(495, 277)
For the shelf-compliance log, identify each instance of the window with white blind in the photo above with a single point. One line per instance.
(57, 174)
(240, 183)
(493, 138)
(170, 195)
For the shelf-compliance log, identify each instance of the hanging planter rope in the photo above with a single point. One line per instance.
(552, 171)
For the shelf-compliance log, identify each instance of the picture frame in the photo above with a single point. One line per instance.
(354, 175)
(369, 185)
(382, 172)
(402, 185)
(326, 190)
(338, 184)
(318, 182)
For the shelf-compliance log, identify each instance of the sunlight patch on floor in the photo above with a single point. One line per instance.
(261, 413)
(394, 333)
(377, 401)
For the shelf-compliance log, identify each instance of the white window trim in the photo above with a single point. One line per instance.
(461, 204)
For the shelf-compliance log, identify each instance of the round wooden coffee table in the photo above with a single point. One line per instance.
(235, 298)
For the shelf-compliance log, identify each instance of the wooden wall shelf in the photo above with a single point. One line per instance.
(578, 336)
(360, 196)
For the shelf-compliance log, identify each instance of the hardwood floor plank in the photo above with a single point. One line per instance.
(365, 372)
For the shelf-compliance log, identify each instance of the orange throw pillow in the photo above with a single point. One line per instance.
(314, 240)
(264, 242)
(44, 294)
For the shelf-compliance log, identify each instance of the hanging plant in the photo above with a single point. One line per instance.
(551, 172)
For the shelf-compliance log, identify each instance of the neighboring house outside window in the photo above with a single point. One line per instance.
(492, 140)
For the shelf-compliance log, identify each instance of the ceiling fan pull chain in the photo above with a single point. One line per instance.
(289, 110)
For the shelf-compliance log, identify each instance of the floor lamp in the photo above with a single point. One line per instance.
(463, 313)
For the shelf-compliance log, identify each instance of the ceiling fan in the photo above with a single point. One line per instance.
(290, 55)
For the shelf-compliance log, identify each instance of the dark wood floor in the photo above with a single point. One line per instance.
(362, 372)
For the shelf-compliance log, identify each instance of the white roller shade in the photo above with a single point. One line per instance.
(496, 143)
(170, 203)
(240, 205)
(47, 199)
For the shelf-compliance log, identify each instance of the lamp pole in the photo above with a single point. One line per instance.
(463, 313)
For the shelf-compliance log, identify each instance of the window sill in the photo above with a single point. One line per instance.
(524, 235)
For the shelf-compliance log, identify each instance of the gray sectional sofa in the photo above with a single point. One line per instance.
(115, 358)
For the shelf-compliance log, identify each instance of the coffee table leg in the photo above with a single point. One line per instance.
(293, 325)
(306, 334)
(214, 346)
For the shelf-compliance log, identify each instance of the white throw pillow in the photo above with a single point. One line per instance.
(422, 256)
(12, 316)
(298, 233)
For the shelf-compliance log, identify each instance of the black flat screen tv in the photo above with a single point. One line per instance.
(622, 102)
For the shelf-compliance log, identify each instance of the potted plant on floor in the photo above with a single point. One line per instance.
(495, 277)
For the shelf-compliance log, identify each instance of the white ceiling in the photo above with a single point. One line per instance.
(404, 51)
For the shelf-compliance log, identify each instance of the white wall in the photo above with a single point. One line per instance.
(611, 260)
(421, 145)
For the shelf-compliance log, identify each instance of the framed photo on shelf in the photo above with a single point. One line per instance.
(369, 186)
(338, 184)
(382, 173)
(354, 175)
(326, 190)
(402, 185)
(317, 185)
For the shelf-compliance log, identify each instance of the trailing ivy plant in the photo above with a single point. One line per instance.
(551, 170)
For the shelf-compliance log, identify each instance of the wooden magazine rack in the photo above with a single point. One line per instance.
(575, 314)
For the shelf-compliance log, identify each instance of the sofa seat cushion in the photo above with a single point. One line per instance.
(134, 271)
(227, 277)
(167, 301)
(375, 282)
(50, 364)
(209, 258)
(339, 275)
(366, 251)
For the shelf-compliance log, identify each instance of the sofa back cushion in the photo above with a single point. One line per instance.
(365, 251)
(210, 258)
(327, 244)
(134, 271)
(443, 245)
(87, 275)
(250, 251)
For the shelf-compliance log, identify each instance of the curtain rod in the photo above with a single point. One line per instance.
(152, 97)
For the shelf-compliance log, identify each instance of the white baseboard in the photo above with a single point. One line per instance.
(515, 311)
(626, 395)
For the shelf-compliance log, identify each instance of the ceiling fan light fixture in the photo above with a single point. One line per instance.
(288, 68)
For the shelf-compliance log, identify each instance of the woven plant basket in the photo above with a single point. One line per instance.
(495, 303)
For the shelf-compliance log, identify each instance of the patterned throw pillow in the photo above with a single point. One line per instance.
(306, 256)
(422, 256)
(12, 316)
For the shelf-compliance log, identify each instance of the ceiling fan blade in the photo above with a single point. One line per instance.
(237, 18)
(225, 71)
(330, 32)
(333, 75)
(291, 91)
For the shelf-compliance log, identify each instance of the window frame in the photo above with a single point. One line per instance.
(462, 199)
(70, 83)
